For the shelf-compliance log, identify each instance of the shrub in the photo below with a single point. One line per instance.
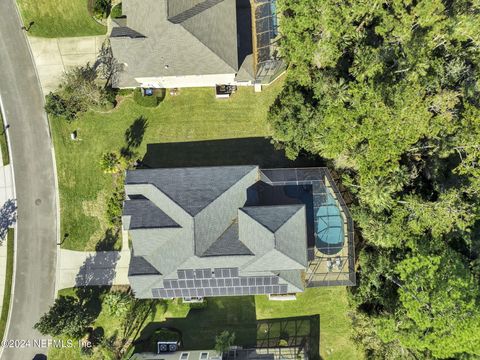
(117, 303)
(114, 207)
(116, 11)
(101, 8)
(109, 162)
(147, 101)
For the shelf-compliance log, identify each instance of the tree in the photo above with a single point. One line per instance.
(117, 303)
(77, 93)
(224, 341)
(67, 316)
(387, 92)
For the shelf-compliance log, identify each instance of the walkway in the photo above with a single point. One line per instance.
(35, 185)
(55, 56)
(78, 268)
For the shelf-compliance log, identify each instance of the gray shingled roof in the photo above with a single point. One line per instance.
(228, 244)
(272, 217)
(191, 188)
(146, 215)
(125, 31)
(140, 266)
(203, 43)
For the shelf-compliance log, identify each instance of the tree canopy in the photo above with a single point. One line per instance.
(388, 92)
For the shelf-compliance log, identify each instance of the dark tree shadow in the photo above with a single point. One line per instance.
(243, 151)
(8, 217)
(135, 133)
(98, 269)
(108, 242)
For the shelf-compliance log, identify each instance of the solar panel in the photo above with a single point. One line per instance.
(216, 291)
(213, 282)
(198, 283)
(236, 282)
(218, 272)
(205, 283)
(268, 289)
(221, 282)
(185, 292)
(223, 291)
(267, 280)
(244, 281)
(208, 292)
(283, 289)
(174, 284)
(167, 284)
(275, 280)
(189, 273)
(230, 291)
(155, 292)
(190, 283)
(182, 284)
(177, 292)
(207, 273)
(201, 292)
(228, 282)
(225, 273)
(251, 281)
(259, 281)
(199, 273)
(238, 291)
(261, 289)
(234, 272)
(252, 290)
(275, 289)
(193, 292)
(170, 293)
(181, 274)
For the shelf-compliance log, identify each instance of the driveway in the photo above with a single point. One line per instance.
(35, 184)
(55, 56)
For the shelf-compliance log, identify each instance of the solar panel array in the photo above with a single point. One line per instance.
(218, 282)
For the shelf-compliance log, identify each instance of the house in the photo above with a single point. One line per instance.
(235, 230)
(192, 43)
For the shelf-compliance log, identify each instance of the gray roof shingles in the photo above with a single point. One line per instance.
(272, 217)
(139, 266)
(228, 244)
(191, 188)
(146, 215)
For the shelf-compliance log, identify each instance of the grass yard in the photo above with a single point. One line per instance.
(4, 143)
(192, 128)
(335, 326)
(59, 18)
(236, 314)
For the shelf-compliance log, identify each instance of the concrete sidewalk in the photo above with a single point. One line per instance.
(95, 268)
(55, 56)
(7, 219)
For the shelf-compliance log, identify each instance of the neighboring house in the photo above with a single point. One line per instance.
(278, 353)
(189, 43)
(235, 230)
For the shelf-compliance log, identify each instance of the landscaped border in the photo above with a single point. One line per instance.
(8, 281)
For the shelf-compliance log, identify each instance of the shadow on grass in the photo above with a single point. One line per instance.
(242, 151)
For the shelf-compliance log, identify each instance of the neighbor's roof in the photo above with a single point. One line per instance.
(181, 37)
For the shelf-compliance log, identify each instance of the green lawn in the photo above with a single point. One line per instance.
(192, 128)
(331, 304)
(8, 281)
(59, 18)
(239, 314)
(4, 143)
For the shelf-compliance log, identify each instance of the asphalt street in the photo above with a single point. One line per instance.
(35, 188)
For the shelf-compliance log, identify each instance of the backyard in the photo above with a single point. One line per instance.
(192, 128)
(61, 18)
(236, 314)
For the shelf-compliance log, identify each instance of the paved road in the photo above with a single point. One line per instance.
(34, 181)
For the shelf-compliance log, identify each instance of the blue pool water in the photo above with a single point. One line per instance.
(328, 225)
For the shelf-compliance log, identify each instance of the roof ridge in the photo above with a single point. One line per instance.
(193, 11)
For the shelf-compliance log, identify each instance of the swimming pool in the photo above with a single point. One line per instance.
(329, 224)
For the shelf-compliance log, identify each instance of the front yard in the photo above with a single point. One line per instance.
(192, 128)
(59, 18)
